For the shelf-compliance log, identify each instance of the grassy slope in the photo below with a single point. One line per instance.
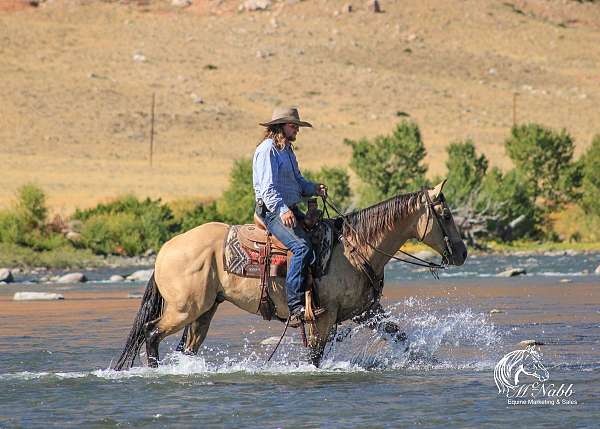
(75, 104)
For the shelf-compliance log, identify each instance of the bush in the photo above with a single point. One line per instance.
(544, 158)
(590, 200)
(389, 165)
(237, 202)
(25, 224)
(466, 171)
(338, 184)
(508, 196)
(127, 225)
(198, 215)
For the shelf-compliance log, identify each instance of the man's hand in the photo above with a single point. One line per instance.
(288, 219)
(322, 190)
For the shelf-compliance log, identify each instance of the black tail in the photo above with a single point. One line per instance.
(150, 309)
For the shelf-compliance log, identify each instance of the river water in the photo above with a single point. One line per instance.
(54, 357)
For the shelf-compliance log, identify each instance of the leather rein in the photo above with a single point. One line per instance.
(433, 267)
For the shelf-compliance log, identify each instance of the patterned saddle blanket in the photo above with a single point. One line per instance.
(243, 244)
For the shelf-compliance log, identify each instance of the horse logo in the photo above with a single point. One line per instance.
(512, 365)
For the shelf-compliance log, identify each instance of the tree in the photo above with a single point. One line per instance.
(391, 164)
(590, 200)
(337, 181)
(466, 170)
(544, 158)
(236, 205)
(508, 198)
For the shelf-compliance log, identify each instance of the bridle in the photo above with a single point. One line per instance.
(447, 251)
(433, 267)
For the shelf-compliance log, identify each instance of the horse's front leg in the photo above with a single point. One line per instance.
(374, 317)
(324, 325)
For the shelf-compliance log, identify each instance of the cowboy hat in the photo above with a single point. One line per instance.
(285, 115)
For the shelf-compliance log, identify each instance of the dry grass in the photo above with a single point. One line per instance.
(74, 113)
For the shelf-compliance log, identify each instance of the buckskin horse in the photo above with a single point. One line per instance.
(190, 280)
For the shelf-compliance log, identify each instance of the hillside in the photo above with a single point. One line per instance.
(78, 78)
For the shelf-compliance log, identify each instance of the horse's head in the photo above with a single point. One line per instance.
(532, 365)
(436, 228)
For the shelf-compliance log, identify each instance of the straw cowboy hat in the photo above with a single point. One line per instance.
(285, 115)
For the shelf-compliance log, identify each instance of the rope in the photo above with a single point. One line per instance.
(287, 323)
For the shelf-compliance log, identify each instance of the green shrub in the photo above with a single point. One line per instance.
(466, 171)
(198, 215)
(544, 158)
(338, 184)
(507, 196)
(26, 223)
(236, 205)
(590, 200)
(389, 165)
(127, 225)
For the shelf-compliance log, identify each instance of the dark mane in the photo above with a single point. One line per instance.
(373, 222)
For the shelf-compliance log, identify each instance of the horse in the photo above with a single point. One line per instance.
(507, 371)
(190, 281)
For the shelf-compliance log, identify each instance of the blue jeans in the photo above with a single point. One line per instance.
(297, 240)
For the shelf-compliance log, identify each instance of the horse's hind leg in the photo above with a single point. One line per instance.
(154, 331)
(196, 332)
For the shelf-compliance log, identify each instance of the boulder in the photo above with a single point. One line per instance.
(512, 272)
(6, 275)
(527, 343)
(37, 296)
(72, 278)
(134, 295)
(140, 276)
(116, 278)
(253, 5)
(73, 236)
(181, 3)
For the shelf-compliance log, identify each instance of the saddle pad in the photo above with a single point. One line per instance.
(242, 261)
(241, 254)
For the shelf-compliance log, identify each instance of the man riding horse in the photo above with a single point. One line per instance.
(279, 187)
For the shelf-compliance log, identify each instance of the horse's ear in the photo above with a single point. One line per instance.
(435, 192)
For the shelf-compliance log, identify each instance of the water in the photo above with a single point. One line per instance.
(55, 357)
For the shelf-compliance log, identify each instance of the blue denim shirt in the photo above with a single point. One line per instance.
(277, 178)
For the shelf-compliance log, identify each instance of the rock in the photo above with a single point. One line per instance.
(37, 296)
(374, 6)
(263, 54)
(134, 295)
(271, 341)
(140, 276)
(196, 99)
(253, 5)
(566, 280)
(139, 58)
(6, 275)
(72, 278)
(496, 311)
(347, 8)
(597, 270)
(512, 272)
(181, 3)
(73, 236)
(116, 278)
(527, 343)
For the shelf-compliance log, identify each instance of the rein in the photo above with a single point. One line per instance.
(422, 262)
